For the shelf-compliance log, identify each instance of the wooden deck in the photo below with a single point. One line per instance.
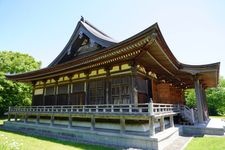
(148, 112)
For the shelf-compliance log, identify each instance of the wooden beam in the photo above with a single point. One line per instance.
(166, 55)
(152, 57)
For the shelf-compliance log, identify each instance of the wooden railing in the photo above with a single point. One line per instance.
(143, 108)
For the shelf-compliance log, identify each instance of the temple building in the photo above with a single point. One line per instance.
(135, 86)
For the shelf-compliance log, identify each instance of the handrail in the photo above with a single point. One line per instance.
(187, 113)
(144, 108)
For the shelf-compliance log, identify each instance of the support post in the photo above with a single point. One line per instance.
(162, 124)
(199, 101)
(37, 119)
(134, 95)
(56, 90)
(171, 121)
(9, 117)
(25, 118)
(16, 117)
(69, 89)
(44, 92)
(151, 126)
(52, 120)
(107, 85)
(192, 115)
(150, 107)
(205, 104)
(92, 122)
(122, 125)
(70, 121)
(86, 88)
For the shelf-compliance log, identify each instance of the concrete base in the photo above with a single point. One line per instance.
(201, 130)
(213, 127)
(159, 141)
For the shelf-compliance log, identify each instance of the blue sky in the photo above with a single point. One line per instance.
(194, 30)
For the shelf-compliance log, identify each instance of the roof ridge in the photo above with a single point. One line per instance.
(91, 25)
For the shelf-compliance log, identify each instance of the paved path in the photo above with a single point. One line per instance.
(216, 123)
(179, 143)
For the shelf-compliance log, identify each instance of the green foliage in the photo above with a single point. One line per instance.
(215, 98)
(206, 143)
(216, 101)
(15, 62)
(190, 98)
(14, 93)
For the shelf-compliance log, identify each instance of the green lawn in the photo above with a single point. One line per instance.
(206, 143)
(18, 141)
(221, 117)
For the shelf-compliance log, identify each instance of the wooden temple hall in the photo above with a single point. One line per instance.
(136, 85)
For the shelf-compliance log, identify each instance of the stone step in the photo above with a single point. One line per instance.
(179, 143)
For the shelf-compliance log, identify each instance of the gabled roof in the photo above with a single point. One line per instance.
(84, 30)
(147, 48)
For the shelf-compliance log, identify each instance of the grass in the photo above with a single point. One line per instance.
(18, 141)
(221, 117)
(206, 143)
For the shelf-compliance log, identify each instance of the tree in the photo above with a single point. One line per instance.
(190, 98)
(15, 93)
(215, 98)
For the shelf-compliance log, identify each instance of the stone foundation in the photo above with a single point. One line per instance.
(113, 139)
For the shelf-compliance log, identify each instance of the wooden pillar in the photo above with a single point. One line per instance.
(69, 89)
(134, 92)
(122, 125)
(33, 92)
(44, 91)
(199, 101)
(56, 89)
(151, 126)
(149, 90)
(107, 86)
(162, 123)
(92, 122)
(204, 104)
(86, 88)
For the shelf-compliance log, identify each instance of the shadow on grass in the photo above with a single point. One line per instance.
(84, 146)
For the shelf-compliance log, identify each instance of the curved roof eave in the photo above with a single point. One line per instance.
(205, 69)
(105, 50)
(147, 32)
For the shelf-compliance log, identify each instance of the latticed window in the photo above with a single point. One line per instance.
(62, 97)
(120, 90)
(78, 87)
(63, 89)
(50, 90)
(96, 92)
(142, 85)
(78, 94)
